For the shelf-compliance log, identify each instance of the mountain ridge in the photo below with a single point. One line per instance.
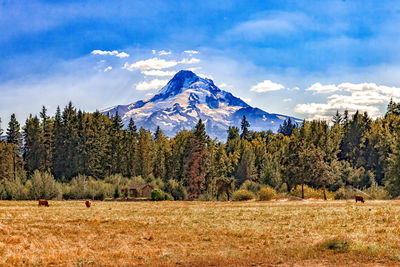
(185, 99)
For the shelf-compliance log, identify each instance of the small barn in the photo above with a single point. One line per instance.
(138, 190)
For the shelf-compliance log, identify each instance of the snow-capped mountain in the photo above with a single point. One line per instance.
(186, 99)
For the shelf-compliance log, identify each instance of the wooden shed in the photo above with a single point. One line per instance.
(138, 190)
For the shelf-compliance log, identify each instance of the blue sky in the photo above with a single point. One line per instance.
(299, 58)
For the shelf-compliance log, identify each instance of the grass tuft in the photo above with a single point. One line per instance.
(337, 245)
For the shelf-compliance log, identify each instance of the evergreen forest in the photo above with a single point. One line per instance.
(78, 155)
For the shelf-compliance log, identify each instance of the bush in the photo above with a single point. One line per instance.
(83, 187)
(14, 189)
(344, 193)
(373, 192)
(251, 186)
(168, 197)
(205, 197)
(157, 183)
(43, 185)
(159, 195)
(266, 193)
(176, 189)
(377, 192)
(310, 192)
(243, 194)
(337, 245)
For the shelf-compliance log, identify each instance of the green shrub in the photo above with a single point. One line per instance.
(337, 245)
(176, 189)
(158, 195)
(344, 193)
(251, 186)
(14, 189)
(117, 192)
(310, 192)
(242, 195)
(157, 183)
(43, 185)
(377, 192)
(373, 192)
(266, 193)
(168, 197)
(205, 197)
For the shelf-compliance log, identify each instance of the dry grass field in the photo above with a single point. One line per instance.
(310, 233)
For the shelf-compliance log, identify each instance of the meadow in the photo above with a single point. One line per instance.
(177, 233)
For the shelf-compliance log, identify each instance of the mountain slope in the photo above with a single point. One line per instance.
(186, 99)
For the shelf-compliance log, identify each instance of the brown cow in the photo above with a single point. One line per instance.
(88, 203)
(359, 198)
(43, 202)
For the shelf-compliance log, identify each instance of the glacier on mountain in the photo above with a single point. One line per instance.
(187, 98)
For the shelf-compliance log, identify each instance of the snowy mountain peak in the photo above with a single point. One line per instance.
(185, 80)
(185, 99)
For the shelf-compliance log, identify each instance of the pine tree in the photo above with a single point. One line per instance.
(392, 170)
(195, 161)
(337, 119)
(47, 133)
(179, 145)
(162, 154)
(157, 133)
(233, 133)
(287, 127)
(115, 145)
(6, 161)
(245, 128)
(14, 138)
(345, 117)
(57, 144)
(129, 148)
(143, 154)
(33, 146)
(246, 168)
(71, 141)
(354, 131)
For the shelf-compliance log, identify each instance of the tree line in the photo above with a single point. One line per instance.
(76, 150)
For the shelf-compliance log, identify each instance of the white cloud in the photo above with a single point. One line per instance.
(164, 53)
(224, 85)
(323, 89)
(287, 100)
(153, 51)
(152, 63)
(266, 86)
(205, 76)
(153, 84)
(191, 52)
(194, 69)
(247, 100)
(158, 64)
(190, 61)
(159, 73)
(108, 69)
(122, 55)
(273, 24)
(110, 53)
(364, 97)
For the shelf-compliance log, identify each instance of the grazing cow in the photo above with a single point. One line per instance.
(88, 203)
(43, 202)
(359, 198)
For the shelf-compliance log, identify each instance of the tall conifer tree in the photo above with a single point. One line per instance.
(14, 137)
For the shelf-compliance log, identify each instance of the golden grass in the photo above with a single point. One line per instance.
(312, 233)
